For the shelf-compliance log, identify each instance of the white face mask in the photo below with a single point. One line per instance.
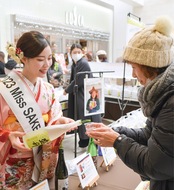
(76, 57)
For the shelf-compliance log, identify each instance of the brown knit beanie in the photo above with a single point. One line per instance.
(152, 46)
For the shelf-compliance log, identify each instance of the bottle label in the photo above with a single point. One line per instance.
(62, 184)
(37, 138)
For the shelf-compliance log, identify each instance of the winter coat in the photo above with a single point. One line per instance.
(2, 65)
(81, 66)
(11, 64)
(149, 151)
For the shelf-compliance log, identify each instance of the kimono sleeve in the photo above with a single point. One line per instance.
(56, 109)
(5, 145)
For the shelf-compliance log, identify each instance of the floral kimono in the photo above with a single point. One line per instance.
(16, 168)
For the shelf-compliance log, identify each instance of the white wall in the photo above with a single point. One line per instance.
(96, 17)
(148, 14)
(120, 27)
(112, 18)
(121, 9)
(134, 2)
(154, 8)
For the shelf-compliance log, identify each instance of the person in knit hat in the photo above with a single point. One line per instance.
(149, 151)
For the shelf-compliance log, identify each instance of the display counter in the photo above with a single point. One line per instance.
(113, 112)
(112, 104)
(118, 100)
(113, 89)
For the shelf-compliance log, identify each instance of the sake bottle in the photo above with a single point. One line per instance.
(49, 133)
(61, 173)
(92, 149)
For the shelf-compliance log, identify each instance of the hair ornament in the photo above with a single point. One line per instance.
(15, 53)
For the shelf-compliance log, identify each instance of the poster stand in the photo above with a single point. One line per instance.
(92, 184)
(109, 157)
(87, 172)
(123, 104)
(85, 73)
(107, 166)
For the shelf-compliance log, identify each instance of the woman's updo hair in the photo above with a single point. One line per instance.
(32, 43)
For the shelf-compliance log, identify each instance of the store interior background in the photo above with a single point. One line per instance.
(96, 24)
(106, 16)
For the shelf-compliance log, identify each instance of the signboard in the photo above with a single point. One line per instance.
(109, 155)
(41, 186)
(86, 171)
(93, 96)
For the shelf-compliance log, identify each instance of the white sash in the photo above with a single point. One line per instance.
(21, 101)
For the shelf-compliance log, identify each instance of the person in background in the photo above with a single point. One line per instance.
(101, 56)
(55, 72)
(84, 49)
(68, 59)
(80, 64)
(17, 163)
(149, 151)
(2, 62)
(11, 64)
(88, 56)
(54, 47)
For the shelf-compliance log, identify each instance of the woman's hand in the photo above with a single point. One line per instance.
(102, 134)
(64, 93)
(65, 120)
(15, 139)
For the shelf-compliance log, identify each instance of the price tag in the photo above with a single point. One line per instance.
(41, 186)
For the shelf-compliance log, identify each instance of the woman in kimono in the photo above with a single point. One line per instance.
(17, 163)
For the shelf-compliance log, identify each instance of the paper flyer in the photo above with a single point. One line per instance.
(109, 155)
(86, 171)
(41, 186)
